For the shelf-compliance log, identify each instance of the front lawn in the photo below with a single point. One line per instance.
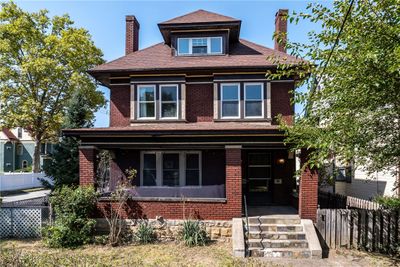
(34, 254)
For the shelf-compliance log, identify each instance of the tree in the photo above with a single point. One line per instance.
(64, 165)
(352, 105)
(43, 62)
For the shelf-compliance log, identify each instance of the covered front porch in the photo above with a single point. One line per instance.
(210, 176)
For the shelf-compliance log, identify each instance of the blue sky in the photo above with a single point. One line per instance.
(105, 21)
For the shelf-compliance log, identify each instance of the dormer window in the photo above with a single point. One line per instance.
(200, 46)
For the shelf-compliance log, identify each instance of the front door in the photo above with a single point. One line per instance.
(258, 178)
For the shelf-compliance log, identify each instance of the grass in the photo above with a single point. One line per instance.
(33, 253)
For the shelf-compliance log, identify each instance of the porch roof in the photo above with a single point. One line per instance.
(160, 128)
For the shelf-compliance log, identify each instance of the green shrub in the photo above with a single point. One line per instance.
(193, 233)
(145, 233)
(392, 203)
(73, 226)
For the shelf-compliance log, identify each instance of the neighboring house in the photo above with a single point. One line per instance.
(353, 181)
(17, 148)
(195, 116)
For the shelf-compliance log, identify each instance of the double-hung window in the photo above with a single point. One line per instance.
(200, 46)
(170, 168)
(230, 100)
(169, 101)
(146, 101)
(253, 100)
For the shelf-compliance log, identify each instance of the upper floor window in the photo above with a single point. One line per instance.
(200, 46)
(169, 101)
(242, 101)
(146, 101)
(253, 98)
(230, 101)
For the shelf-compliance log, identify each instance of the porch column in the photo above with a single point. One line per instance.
(233, 169)
(308, 195)
(87, 171)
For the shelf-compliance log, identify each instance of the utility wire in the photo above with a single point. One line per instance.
(316, 80)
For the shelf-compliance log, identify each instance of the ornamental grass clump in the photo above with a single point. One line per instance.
(145, 233)
(193, 234)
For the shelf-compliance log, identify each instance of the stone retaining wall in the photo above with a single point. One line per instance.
(167, 230)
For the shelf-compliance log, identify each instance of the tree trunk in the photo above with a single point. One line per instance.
(36, 156)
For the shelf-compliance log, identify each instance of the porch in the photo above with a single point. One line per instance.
(201, 173)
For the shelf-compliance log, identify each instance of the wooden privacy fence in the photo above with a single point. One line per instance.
(328, 200)
(372, 230)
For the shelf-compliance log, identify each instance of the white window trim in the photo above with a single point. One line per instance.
(221, 100)
(191, 46)
(138, 102)
(176, 102)
(159, 168)
(262, 100)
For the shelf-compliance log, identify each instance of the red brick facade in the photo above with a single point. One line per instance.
(280, 101)
(120, 105)
(87, 168)
(308, 191)
(199, 102)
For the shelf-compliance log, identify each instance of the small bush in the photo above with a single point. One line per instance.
(73, 226)
(392, 203)
(193, 233)
(145, 233)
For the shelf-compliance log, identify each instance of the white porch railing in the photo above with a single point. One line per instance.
(16, 181)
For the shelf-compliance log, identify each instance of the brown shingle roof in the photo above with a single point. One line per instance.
(200, 16)
(158, 57)
(8, 134)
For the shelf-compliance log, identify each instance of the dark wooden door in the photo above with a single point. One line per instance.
(258, 178)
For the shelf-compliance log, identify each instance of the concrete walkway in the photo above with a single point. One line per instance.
(25, 196)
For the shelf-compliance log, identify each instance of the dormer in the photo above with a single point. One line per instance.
(200, 33)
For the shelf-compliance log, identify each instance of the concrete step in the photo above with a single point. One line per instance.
(284, 243)
(254, 243)
(295, 253)
(286, 220)
(277, 235)
(275, 228)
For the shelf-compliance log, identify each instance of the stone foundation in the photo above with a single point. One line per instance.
(168, 230)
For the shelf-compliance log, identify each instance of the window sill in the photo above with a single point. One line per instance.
(244, 120)
(158, 121)
(173, 199)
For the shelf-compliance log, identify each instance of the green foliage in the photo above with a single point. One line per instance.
(64, 165)
(354, 112)
(43, 63)
(73, 226)
(392, 203)
(193, 233)
(145, 233)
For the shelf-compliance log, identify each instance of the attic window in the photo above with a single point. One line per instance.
(199, 46)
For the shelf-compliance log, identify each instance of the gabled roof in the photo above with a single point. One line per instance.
(201, 20)
(243, 54)
(8, 134)
(200, 16)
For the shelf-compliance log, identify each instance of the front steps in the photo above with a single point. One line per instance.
(281, 236)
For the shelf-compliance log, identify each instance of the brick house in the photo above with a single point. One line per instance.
(195, 116)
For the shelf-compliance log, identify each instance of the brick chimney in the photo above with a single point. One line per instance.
(281, 29)
(131, 35)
